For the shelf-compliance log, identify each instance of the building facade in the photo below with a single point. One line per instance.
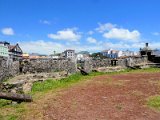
(69, 54)
(15, 52)
(55, 56)
(116, 53)
(129, 53)
(83, 55)
(4, 51)
(112, 53)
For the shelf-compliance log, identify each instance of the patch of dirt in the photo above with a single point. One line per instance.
(106, 97)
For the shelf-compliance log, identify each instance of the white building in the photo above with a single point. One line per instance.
(129, 53)
(116, 53)
(4, 51)
(83, 55)
(112, 53)
(69, 54)
(55, 56)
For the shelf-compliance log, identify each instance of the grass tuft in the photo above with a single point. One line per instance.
(12, 117)
(4, 103)
(154, 102)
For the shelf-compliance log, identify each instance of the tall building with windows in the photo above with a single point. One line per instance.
(69, 54)
(4, 51)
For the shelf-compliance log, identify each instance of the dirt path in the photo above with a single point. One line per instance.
(116, 97)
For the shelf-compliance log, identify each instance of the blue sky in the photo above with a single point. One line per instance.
(94, 25)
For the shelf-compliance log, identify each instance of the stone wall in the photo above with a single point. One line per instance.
(130, 61)
(86, 65)
(8, 68)
(49, 65)
(101, 63)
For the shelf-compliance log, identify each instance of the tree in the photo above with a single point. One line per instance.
(98, 55)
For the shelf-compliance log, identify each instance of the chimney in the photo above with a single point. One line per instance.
(146, 44)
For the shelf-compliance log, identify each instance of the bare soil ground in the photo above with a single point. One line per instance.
(105, 97)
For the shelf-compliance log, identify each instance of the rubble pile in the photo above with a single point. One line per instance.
(23, 83)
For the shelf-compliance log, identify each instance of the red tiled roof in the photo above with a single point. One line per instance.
(11, 47)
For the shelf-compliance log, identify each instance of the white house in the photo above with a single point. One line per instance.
(83, 55)
(116, 53)
(112, 53)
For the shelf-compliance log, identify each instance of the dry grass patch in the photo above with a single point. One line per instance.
(116, 83)
(136, 93)
(155, 82)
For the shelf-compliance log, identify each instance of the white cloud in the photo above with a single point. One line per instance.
(109, 45)
(45, 22)
(40, 46)
(122, 34)
(67, 34)
(90, 32)
(91, 40)
(43, 47)
(105, 27)
(7, 31)
(154, 45)
(156, 33)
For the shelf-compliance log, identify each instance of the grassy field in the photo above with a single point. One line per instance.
(10, 111)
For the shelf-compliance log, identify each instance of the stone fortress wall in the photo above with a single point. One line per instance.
(125, 62)
(9, 68)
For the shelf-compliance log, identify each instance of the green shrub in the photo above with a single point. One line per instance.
(4, 102)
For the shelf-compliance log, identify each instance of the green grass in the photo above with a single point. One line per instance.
(11, 111)
(8, 117)
(65, 82)
(12, 117)
(149, 70)
(154, 102)
(4, 102)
